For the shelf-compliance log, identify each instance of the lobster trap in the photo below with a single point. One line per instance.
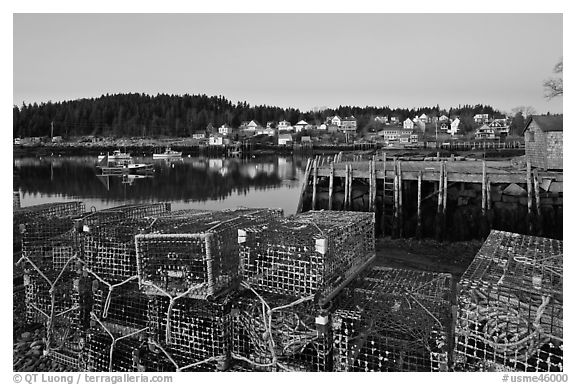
(103, 353)
(393, 320)
(194, 254)
(189, 334)
(510, 306)
(124, 213)
(273, 332)
(313, 253)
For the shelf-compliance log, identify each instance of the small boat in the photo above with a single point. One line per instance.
(140, 167)
(116, 156)
(168, 153)
(106, 166)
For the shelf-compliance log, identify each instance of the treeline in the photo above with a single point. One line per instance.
(134, 114)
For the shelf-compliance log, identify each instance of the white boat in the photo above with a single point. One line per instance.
(116, 156)
(168, 153)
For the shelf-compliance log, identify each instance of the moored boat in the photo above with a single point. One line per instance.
(168, 153)
(116, 156)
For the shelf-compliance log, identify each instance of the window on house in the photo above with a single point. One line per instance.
(530, 136)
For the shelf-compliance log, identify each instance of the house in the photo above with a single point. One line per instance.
(381, 119)
(253, 126)
(408, 124)
(323, 126)
(284, 125)
(270, 125)
(225, 130)
(501, 127)
(405, 137)
(216, 140)
(57, 139)
(284, 139)
(485, 132)
(334, 120)
(481, 118)
(443, 118)
(348, 124)
(394, 133)
(265, 131)
(199, 135)
(301, 125)
(444, 126)
(543, 139)
(306, 141)
(394, 120)
(454, 126)
(424, 118)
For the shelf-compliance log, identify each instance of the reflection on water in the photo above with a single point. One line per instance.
(197, 182)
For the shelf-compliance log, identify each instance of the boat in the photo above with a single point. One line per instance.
(117, 156)
(108, 167)
(168, 153)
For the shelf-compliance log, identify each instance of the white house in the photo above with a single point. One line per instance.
(225, 129)
(284, 139)
(323, 126)
(454, 127)
(301, 125)
(335, 120)
(424, 118)
(265, 131)
(348, 124)
(199, 135)
(443, 118)
(408, 124)
(381, 119)
(253, 126)
(216, 140)
(394, 119)
(284, 125)
(481, 118)
(485, 132)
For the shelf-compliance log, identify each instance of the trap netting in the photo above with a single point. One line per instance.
(124, 213)
(188, 334)
(510, 306)
(194, 254)
(273, 332)
(309, 254)
(105, 353)
(393, 320)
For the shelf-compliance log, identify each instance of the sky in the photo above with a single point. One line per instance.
(292, 60)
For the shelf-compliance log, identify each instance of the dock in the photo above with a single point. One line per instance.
(406, 193)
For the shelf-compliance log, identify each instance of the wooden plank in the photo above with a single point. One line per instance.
(371, 186)
(346, 181)
(419, 209)
(483, 188)
(400, 213)
(383, 216)
(304, 185)
(529, 190)
(537, 193)
(314, 184)
(331, 187)
(445, 192)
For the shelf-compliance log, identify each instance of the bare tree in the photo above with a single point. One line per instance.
(555, 86)
(526, 111)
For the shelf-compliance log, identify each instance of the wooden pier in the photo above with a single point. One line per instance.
(400, 193)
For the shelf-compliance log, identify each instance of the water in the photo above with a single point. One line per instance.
(195, 182)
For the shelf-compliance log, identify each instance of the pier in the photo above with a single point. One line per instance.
(443, 198)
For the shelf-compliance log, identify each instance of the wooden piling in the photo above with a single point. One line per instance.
(350, 181)
(383, 216)
(304, 185)
(331, 186)
(483, 188)
(314, 183)
(444, 199)
(538, 209)
(529, 190)
(400, 214)
(346, 181)
(419, 209)
(396, 205)
(371, 186)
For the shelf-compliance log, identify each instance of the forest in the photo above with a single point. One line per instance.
(162, 115)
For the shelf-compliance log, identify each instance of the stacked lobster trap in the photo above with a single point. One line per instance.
(394, 320)
(510, 306)
(291, 269)
(188, 266)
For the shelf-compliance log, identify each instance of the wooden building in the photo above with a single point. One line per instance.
(543, 138)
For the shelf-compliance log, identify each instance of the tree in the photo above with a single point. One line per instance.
(526, 111)
(555, 86)
(518, 123)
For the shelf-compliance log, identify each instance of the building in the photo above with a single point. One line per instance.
(323, 126)
(284, 125)
(284, 139)
(394, 120)
(199, 135)
(444, 126)
(414, 138)
(394, 133)
(265, 131)
(405, 137)
(253, 126)
(301, 125)
(270, 125)
(443, 118)
(481, 118)
(454, 127)
(408, 124)
(216, 140)
(543, 139)
(485, 132)
(424, 118)
(381, 119)
(225, 130)
(348, 124)
(335, 120)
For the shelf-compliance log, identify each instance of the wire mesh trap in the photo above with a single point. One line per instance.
(189, 334)
(124, 213)
(309, 254)
(194, 254)
(393, 320)
(102, 353)
(510, 306)
(274, 332)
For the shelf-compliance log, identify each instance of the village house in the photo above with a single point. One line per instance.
(301, 125)
(216, 140)
(414, 138)
(253, 126)
(284, 139)
(443, 118)
(381, 119)
(284, 125)
(543, 138)
(199, 135)
(394, 120)
(454, 127)
(348, 124)
(225, 130)
(334, 120)
(394, 133)
(444, 126)
(323, 126)
(409, 124)
(265, 131)
(270, 125)
(485, 132)
(481, 118)
(405, 137)
(424, 118)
